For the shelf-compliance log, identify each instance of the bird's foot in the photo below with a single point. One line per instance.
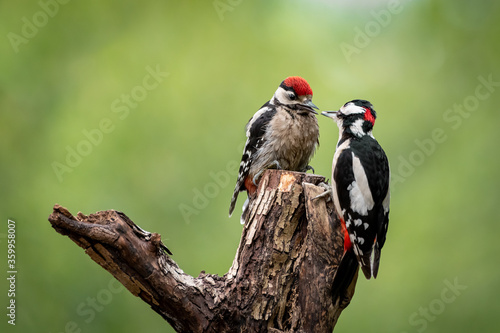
(328, 191)
(274, 165)
(309, 168)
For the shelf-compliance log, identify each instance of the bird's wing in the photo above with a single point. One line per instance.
(255, 130)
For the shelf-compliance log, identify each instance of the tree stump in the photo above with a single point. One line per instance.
(280, 280)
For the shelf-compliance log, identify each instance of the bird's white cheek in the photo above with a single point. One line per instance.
(357, 127)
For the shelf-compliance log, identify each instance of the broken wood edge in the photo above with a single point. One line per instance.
(163, 279)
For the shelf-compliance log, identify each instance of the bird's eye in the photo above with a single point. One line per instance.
(292, 96)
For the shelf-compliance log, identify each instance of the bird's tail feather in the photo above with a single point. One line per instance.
(239, 183)
(376, 260)
(345, 274)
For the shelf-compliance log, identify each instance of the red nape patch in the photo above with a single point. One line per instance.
(250, 186)
(299, 85)
(347, 239)
(369, 116)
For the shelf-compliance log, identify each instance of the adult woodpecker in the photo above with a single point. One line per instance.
(282, 134)
(360, 189)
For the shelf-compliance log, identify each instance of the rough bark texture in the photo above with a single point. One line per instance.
(280, 280)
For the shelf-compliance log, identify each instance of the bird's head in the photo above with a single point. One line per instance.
(295, 93)
(356, 117)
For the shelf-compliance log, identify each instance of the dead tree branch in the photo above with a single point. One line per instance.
(280, 280)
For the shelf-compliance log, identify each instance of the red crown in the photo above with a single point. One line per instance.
(369, 116)
(299, 85)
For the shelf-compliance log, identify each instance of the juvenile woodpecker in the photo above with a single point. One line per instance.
(282, 134)
(360, 189)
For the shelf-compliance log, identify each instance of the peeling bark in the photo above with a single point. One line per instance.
(280, 280)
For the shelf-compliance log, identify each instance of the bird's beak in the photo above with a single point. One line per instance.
(330, 114)
(310, 106)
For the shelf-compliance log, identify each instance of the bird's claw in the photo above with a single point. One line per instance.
(328, 191)
(274, 165)
(309, 168)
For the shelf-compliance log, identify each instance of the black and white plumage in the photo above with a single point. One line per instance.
(282, 134)
(360, 188)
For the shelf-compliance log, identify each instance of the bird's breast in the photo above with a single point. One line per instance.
(295, 138)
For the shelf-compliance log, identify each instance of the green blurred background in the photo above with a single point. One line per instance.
(167, 155)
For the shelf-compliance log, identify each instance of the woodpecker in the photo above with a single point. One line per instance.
(282, 134)
(360, 190)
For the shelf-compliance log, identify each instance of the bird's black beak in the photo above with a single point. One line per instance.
(330, 114)
(309, 105)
